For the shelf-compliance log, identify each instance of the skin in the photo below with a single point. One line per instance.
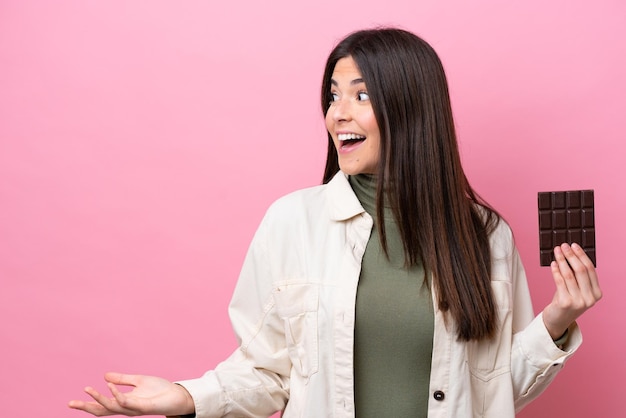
(577, 288)
(351, 111)
(574, 275)
(150, 396)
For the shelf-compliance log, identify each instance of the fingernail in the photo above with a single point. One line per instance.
(575, 246)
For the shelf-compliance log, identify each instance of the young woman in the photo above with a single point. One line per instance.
(391, 289)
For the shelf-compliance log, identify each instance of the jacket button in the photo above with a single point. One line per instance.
(439, 395)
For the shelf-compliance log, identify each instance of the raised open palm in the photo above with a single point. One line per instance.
(149, 396)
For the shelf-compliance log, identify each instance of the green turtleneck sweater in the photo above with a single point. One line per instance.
(394, 324)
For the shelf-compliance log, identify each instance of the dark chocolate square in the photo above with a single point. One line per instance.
(566, 216)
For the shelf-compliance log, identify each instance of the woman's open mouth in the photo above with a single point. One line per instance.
(349, 141)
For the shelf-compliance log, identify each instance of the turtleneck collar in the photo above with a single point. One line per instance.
(364, 187)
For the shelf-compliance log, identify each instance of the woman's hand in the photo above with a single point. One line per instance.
(149, 396)
(577, 288)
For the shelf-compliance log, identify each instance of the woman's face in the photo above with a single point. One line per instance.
(351, 122)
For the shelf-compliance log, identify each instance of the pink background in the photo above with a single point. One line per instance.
(142, 141)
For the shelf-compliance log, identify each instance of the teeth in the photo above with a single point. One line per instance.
(345, 137)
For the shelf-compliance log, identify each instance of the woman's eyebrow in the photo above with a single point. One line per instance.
(352, 83)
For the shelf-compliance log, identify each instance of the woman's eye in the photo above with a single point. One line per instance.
(362, 95)
(334, 97)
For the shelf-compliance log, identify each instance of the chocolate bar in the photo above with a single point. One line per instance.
(566, 216)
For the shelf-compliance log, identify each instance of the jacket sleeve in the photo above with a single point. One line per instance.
(535, 358)
(254, 380)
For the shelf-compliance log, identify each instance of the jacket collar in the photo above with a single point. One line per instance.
(342, 200)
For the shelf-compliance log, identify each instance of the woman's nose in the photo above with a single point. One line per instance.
(341, 110)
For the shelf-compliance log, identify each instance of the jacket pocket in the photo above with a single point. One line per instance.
(490, 358)
(297, 306)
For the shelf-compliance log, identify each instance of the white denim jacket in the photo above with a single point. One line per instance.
(293, 314)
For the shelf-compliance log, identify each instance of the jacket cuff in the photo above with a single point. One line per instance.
(207, 396)
(539, 347)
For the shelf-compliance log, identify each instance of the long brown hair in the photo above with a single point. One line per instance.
(443, 223)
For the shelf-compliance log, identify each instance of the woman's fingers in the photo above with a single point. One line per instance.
(578, 275)
(121, 378)
(591, 270)
(569, 285)
(119, 396)
(577, 288)
(149, 395)
(92, 408)
(128, 404)
(107, 403)
(109, 406)
(97, 408)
